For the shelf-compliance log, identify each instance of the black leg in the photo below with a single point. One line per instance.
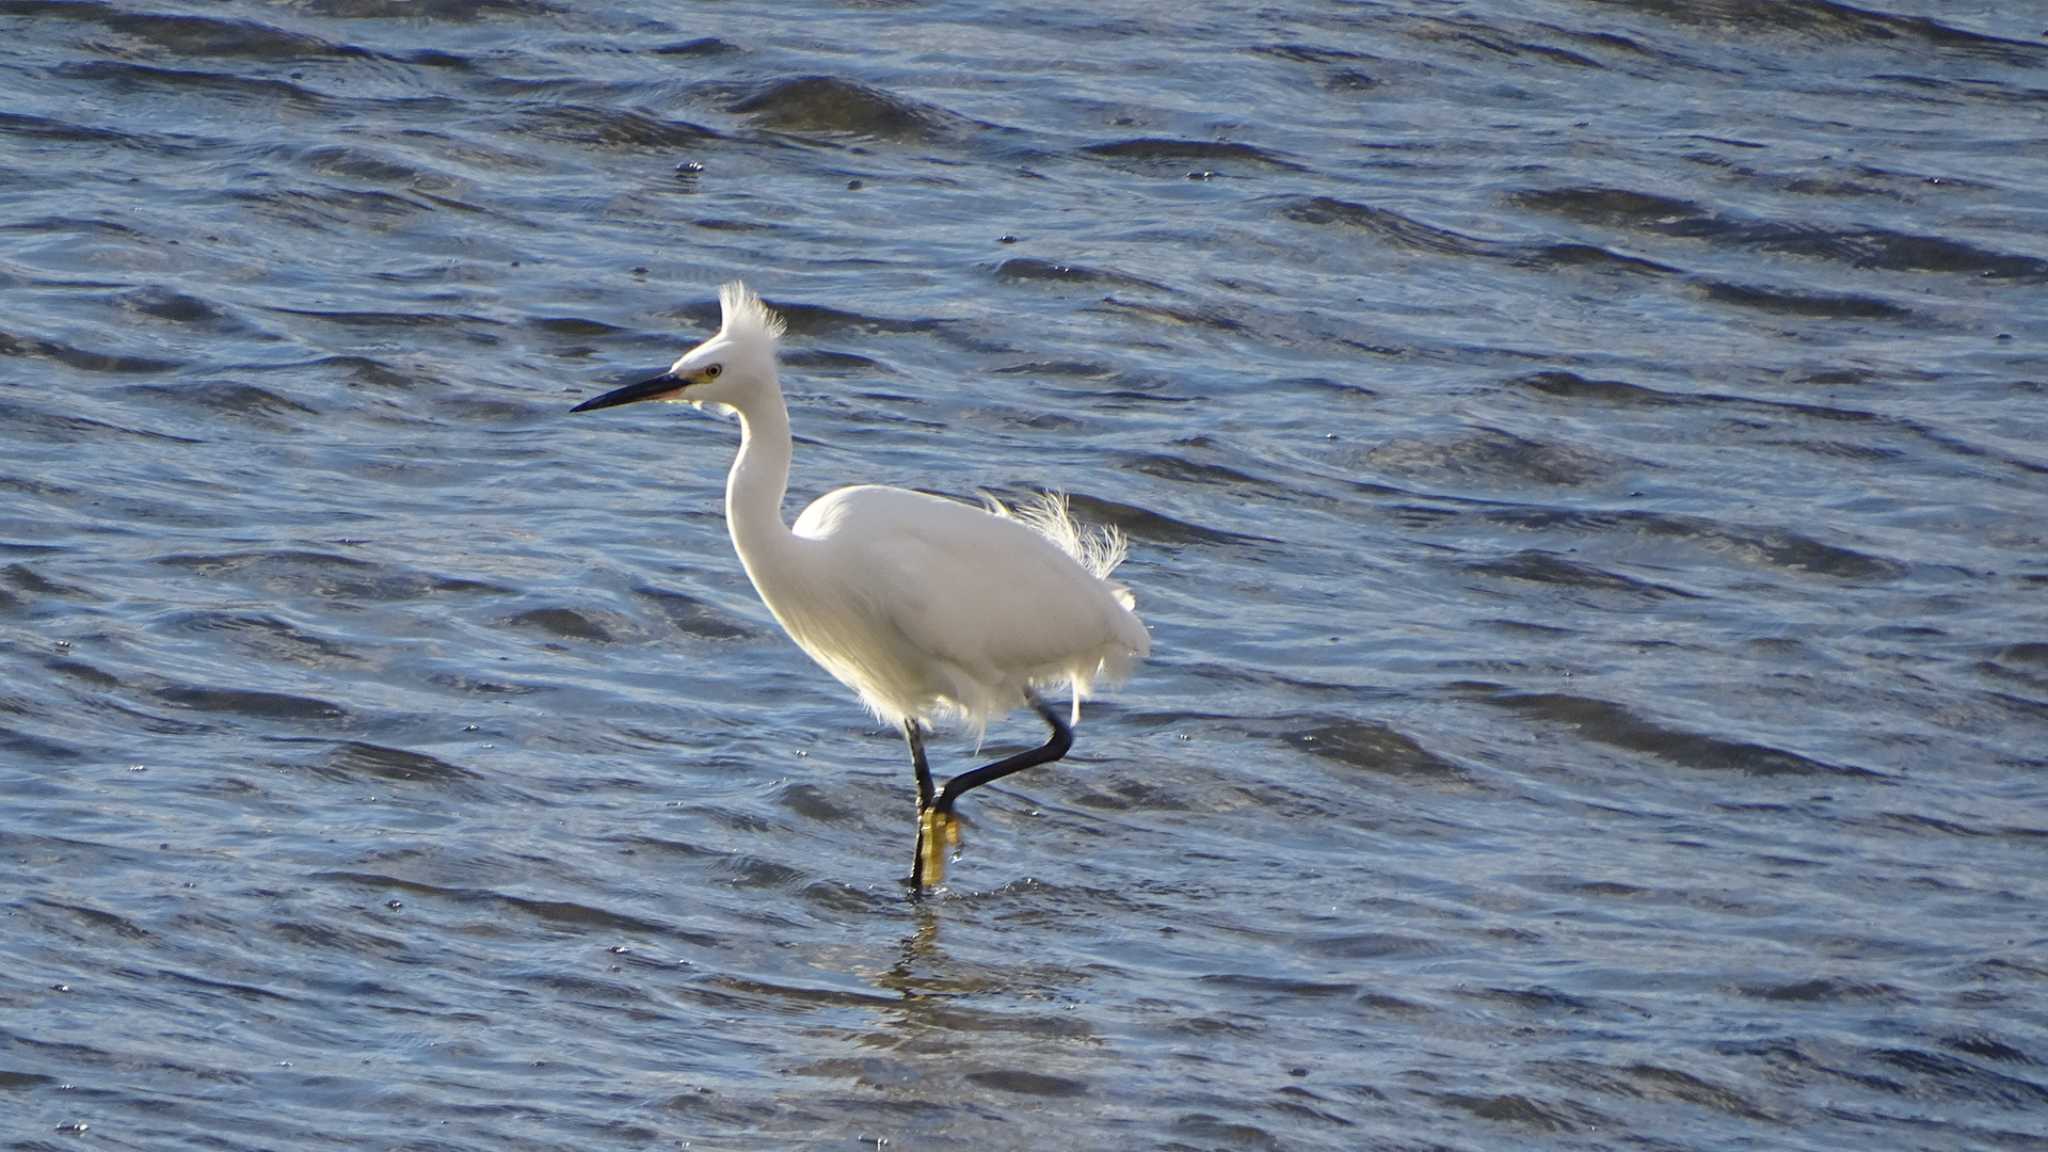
(915, 739)
(1054, 748)
(937, 829)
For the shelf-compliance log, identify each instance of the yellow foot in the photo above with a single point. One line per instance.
(938, 833)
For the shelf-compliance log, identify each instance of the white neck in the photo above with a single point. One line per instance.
(754, 489)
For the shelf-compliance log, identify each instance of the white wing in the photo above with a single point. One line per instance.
(979, 596)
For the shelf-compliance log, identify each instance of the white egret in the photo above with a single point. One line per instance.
(927, 607)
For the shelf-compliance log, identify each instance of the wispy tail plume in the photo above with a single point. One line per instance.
(1099, 548)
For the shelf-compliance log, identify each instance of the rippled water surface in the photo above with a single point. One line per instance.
(1585, 464)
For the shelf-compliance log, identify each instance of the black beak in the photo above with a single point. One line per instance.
(653, 389)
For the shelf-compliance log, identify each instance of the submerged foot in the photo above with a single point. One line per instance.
(938, 834)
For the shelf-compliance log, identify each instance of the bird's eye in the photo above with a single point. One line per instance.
(712, 372)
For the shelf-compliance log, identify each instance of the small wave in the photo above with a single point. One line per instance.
(84, 673)
(692, 616)
(814, 803)
(1606, 722)
(1299, 53)
(1466, 33)
(1494, 456)
(1181, 470)
(65, 427)
(567, 913)
(1582, 255)
(572, 326)
(1985, 1046)
(1524, 1111)
(31, 347)
(830, 105)
(815, 320)
(469, 684)
(1409, 234)
(701, 46)
(378, 319)
(21, 125)
(567, 623)
(352, 758)
(1537, 999)
(1831, 20)
(1368, 945)
(1867, 248)
(87, 922)
(834, 361)
(1825, 990)
(306, 572)
(1157, 151)
(749, 992)
(1206, 1130)
(249, 702)
(1211, 317)
(1572, 386)
(1786, 302)
(1887, 250)
(1610, 207)
(1374, 747)
(187, 34)
(329, 208)
(228, 398)
(742, 870)
(32, 747)
(1024, 1082)
(260, 635)
(611, 128)
(1543, 567)
(1281, 987)
(1027, 269)
(351, 371)
(1389, 226)
(1777, 548)
(358, 163)
(1071, 369)
(1659, 1082)
(1939, 1075)
(1145, 524)
(232, 87)
(440, 11)
(160, 303)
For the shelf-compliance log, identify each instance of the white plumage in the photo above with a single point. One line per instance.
(943, 607)
(927, 607)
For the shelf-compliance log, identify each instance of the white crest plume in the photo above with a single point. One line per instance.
(742, 311)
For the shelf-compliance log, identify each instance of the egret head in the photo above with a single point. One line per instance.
(725, 370)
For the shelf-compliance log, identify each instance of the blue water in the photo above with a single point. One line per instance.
(1585, 471)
